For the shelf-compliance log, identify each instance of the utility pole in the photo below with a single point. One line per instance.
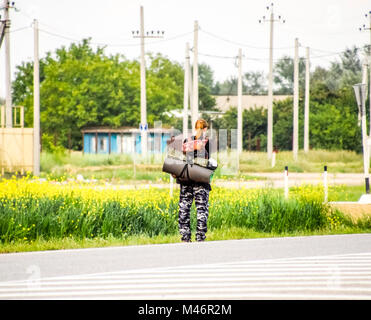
(369, 52)
(271, 21)
(295, 145)
(270, 90)
(190, 89)
(306, 107)
(360, 93)
(143, 99)
(195, 76)
(363, 114)
(186, 92)
(36, 103)
(8, 90)
(366, 158)
(239, 109)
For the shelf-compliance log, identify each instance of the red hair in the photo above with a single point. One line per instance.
(199, 126)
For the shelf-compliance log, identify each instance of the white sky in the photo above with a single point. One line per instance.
(327, 25)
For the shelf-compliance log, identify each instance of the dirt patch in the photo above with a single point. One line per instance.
(353, 209)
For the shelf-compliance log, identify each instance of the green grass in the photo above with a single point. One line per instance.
(346, 193)
(67, 221)
(67, 215)
(233, 233)
(269, 216)
(126, 169)
(313, 161)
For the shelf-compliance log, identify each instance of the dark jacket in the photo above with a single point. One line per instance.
(203, 153)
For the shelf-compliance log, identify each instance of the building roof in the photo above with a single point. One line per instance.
(124, 130)
(224, 103)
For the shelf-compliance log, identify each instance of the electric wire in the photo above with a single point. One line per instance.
(327, 53)
(323, 54)
(242, 44)
(20, 29)
(59, 35)
(116, 44)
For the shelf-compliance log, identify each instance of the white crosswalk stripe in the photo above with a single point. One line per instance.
(327, 277)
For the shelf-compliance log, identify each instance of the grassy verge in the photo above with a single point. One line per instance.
(44, 215)
(313, 161)
(335, 193)
(125, 168)
(232, 233)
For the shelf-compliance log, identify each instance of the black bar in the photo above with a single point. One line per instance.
(367, 185)
(189, 309)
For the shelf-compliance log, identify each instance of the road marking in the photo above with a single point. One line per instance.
(323, 277)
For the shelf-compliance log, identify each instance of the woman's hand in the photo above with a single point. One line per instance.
(174, 176)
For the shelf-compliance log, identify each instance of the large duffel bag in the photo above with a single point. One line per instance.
(187, 171)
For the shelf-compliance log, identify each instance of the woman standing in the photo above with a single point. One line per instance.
(198, 146)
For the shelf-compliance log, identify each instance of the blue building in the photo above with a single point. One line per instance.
(105, 140)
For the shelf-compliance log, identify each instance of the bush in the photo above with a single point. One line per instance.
(31, 209)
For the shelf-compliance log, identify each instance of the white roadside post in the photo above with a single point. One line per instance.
(325, 184)
(286, 180)
(273, 158)
(171, 185)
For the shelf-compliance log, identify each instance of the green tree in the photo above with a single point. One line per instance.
(254, 122)
(255, 83)
(78, 87)
(164, 88)
(334, 128)
(283, 75)
(206, 76)
(228, 86)
(340, 74)
(82, 87)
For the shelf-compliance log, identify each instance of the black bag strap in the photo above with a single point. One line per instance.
(185, 168)
(186, 171)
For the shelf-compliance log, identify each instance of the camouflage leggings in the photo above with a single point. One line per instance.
(201, 196)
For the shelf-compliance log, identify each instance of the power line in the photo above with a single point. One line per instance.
(330, 53)
(324, 51)
(116, 44)
(20, 29)
(56, 32)
(216, 56)
(333, 53)
(239, 43)
(62, 36)
(57, 35)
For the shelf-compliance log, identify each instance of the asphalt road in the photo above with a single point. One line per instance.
(315, 267)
